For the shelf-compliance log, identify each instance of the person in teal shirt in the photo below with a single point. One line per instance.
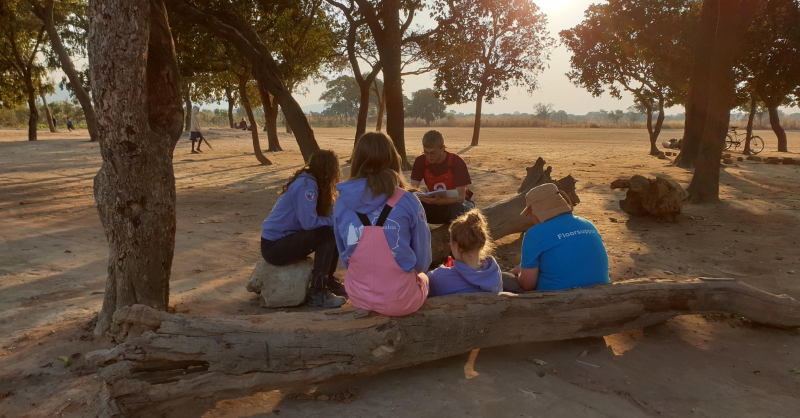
(561, 251)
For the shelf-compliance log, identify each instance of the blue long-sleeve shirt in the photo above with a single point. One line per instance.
(295, 210)
(406, 228)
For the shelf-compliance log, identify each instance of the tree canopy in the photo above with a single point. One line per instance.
(425, 105)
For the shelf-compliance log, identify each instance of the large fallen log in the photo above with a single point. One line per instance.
(504, 216)
(170, 356)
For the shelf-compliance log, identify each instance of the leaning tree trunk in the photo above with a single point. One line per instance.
(270, 106)
(363, 109)
(135, 82)
(734, 18)
(265, 70)
(47, 113)
(655, 131)
(476, 127)
(33, 118)
(775, 123)
(288, 127)
(168, 357)
(750, 118)
(503, 217)
(229, 97)
(250, 117)
(44, 11)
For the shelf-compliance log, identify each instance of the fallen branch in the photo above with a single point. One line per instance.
(167, 356)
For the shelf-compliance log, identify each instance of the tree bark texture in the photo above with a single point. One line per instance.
(271, 120)
(381, 106)
(47, 113)
(167, 357)
(33, 118)
(44, 11)
(775, 123)
(187, 103)
(265, 69)
(363, 110)
(750, 117)
(136, 89)
(229, 97)
(697, 98)
(655, 131)
(734, 18)
(385, 28)
(243, 79)
(476, 127)
(503, 217)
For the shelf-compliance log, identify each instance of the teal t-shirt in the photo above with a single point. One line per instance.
(569, 252)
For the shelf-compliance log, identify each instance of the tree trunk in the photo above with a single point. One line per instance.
(476, 127)
(390, 51)
(250, 117)
(33, 118)
(381, 108)
(265, 69)
(229, 97)
(187, 100)
(132, 54)
(654, 132)
(47, 113)
(288, 127)
(45, 12)
(750, 118)
(363, 109)
(734, 18)
(170, 356)
(270, 119)
(697, 98)
(775, 123)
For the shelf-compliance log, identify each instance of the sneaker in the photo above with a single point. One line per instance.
(325, 299)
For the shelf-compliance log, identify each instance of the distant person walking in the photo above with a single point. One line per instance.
(70, 126)
(195, 135)
(442, 170)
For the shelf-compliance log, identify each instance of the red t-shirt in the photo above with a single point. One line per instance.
(460, 172)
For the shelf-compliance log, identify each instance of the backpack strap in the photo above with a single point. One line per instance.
(384, 214)
(390, 204)
(364, 220)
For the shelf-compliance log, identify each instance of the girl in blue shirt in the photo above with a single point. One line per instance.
(473, 269)
(301, 223)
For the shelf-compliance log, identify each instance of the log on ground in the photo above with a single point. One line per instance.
(168, 357)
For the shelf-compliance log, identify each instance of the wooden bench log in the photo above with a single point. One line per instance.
(167, 356)
(504, 216)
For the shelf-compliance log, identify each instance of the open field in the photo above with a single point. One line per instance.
(53, 265)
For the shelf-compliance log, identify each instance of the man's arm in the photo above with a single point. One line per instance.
(527, 278)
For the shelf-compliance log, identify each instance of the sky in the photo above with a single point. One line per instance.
(554, 87)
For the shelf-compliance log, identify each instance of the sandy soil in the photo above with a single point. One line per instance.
(53, 263)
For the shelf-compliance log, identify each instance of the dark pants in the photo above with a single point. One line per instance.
(295, 247)
(442, 214)
(511, 284)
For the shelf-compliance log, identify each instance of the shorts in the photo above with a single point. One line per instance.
(195, 136)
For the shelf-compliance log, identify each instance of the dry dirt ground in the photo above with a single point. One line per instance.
(53, 265)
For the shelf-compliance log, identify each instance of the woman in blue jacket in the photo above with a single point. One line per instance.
(301, 223)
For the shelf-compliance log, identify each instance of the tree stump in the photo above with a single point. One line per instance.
(504, 217)
(281, 286)
(659, 198)
(168, 356)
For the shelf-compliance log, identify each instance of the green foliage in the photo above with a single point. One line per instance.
(771, 64)
(543, 110)
(342, 96)
(426, 106)
(642, 46)
(485, 46)
(21, 39)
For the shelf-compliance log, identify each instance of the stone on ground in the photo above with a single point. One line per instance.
(659, 197)
(281, 286)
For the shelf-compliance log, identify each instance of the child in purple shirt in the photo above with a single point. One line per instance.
(473, 269)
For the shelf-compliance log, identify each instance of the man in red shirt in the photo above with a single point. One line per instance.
(441, 170)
